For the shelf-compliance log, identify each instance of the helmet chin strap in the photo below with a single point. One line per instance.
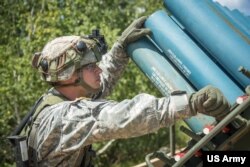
(79, 82)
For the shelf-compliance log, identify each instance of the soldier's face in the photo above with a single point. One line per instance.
(91, 75)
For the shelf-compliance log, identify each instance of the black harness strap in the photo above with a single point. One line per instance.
(88, 155)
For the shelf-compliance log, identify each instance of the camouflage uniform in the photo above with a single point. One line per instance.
(67, 127)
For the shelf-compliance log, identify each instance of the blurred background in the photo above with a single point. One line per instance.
(241, 5)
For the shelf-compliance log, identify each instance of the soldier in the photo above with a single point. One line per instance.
(73, 114)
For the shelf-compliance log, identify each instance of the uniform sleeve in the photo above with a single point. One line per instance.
(74, 125)
(112, 65)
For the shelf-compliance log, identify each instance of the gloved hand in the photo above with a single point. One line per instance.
(133, 32)
(209, 101)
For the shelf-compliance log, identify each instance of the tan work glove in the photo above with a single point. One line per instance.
(209, 101)
(133, 32)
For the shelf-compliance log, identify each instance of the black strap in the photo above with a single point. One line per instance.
(27, 117)
(88, 155)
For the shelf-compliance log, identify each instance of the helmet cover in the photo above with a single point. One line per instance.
(61, 57)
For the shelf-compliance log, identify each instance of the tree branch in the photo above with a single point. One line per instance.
(104, 148)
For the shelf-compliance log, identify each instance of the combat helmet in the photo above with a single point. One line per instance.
(61, 57)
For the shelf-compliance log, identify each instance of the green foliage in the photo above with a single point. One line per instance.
(27, 25)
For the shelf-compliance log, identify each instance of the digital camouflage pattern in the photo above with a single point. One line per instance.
(67, 127)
